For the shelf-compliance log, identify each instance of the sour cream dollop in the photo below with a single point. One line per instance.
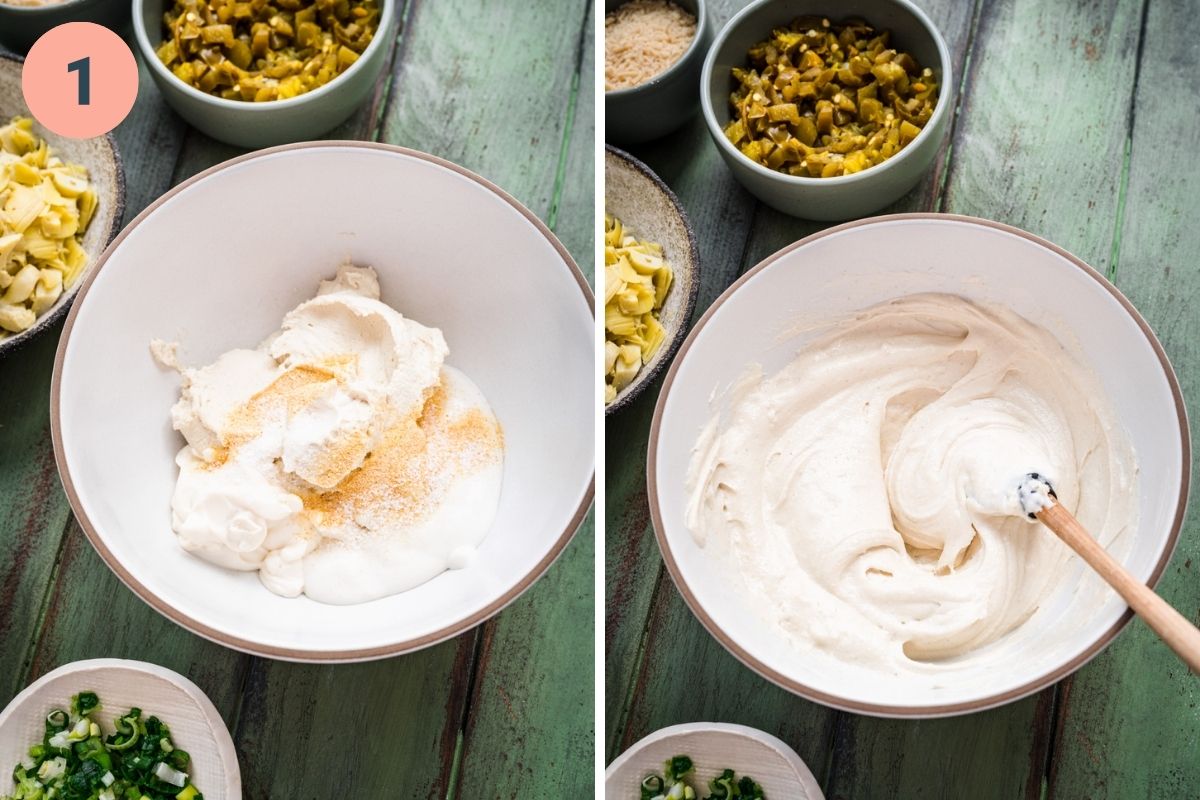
(341, 458)
(866, 495)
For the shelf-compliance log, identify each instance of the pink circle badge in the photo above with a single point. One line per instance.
(80, 80)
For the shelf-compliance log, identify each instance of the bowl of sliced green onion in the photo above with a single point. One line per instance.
(111, 729)
(713, 760)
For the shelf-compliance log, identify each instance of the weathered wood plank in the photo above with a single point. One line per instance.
(530, 731)
(92, 615)
(33, 508)
(1130, 720)
(312, 732)
(1004, 151)
(572, 215)
(495, 105)
(529, 725)
(150, 140)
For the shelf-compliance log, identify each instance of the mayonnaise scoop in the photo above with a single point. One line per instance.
(866, 495)
(341, 458)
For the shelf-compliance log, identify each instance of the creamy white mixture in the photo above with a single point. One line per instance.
(341, 458)
(866, 495)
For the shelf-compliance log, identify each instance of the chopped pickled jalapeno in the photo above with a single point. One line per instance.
(820, 100)
(260, 50)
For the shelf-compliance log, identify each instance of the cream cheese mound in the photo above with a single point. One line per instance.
(866, 495)
(341, 458)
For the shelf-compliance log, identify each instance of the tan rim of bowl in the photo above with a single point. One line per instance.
(951, 709)
(245, 645)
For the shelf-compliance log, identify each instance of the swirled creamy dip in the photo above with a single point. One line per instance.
(867, 493)
(341, 458)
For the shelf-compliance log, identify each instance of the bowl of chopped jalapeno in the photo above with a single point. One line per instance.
(255, 73)
(828, 111)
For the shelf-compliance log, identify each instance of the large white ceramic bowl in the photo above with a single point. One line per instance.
(215, 263)
(194, 722)
(760, 320)
(714, 747)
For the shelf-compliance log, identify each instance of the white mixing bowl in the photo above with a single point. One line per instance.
(215, 263)
(769, 313)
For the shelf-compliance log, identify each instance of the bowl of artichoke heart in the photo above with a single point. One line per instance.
(255, 73)
(61, 202)
(651, 276)
(825, 111)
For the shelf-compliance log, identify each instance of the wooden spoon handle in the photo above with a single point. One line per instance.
(1180, 635)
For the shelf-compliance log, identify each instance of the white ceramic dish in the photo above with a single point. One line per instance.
(99, 154)
(714, 746)
(451, 250)
(756, 321)
(195, 724)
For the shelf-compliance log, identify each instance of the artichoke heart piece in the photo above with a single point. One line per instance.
(45, 208)
(637, 278)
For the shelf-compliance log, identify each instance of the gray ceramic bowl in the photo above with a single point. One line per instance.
(254, 125)
(666, 101)
(100, 156)
(650, 211)
(846, 196)
(20, 26)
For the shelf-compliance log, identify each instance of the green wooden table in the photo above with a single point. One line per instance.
(1079, 122)
(503, 711)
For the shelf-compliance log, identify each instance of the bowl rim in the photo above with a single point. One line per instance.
(947, 709)
(245, 645)
(801, 769)
(12, 343)
(646, 376)
(162, 74)
(222, 735)
(680, 64)
(945, 105)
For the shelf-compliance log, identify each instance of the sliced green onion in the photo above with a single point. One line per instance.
(166, 774)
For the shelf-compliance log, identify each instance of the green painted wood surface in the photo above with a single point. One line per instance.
(1046, 152)
(516, 693)
(1129, 723)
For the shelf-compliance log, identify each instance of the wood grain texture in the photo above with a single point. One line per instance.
(92, 615)
(530, 729)
(1130, 720)
(312, 732)
(33, 508)
(488, 86)
(1048, 160)
(530, 720)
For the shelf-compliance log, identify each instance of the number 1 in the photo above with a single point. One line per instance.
(84, 67)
